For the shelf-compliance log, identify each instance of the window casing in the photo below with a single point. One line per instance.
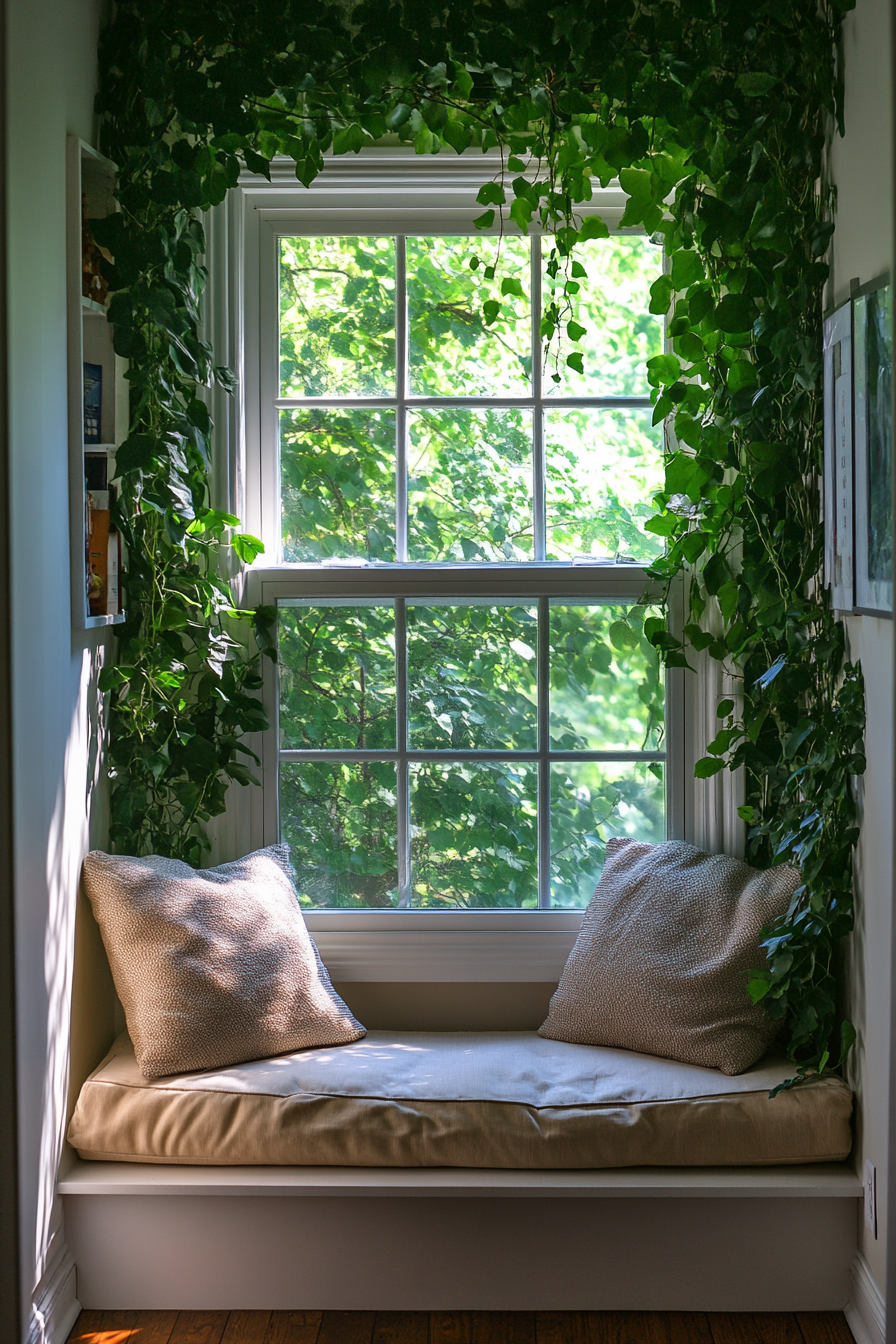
(443, 203)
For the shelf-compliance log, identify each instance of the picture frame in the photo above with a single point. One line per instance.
(839, 569)
(873, 446)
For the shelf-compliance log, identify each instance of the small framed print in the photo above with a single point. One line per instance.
(838, 457)
(873, 430)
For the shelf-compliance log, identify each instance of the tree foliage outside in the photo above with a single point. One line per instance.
(470, 470)
(471, 670)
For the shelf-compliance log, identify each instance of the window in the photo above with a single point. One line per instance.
(467, 707)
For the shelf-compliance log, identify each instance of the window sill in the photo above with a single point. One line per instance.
(819, 1181)
(488, 946)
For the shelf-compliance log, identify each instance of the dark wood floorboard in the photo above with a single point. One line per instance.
(732, 1327)
(401, 1327)
(346, 1327)
(460, 1327)
(294, 1327)
(680, 1327)
(246, 1327)
(779, 1327)
(824, 1327)
(199, 1327)
(125, 1327)
(619, 1327)
(560, 1327)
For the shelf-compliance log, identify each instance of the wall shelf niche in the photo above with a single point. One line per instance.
(97, 397)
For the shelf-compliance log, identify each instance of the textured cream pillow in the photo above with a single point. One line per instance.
(661, 962)
(213, 966)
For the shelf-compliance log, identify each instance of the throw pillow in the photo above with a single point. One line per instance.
(661, 962)
(213, 966)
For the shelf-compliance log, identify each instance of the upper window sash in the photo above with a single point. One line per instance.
(355, 198)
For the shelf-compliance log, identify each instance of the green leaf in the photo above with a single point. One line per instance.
(246, 546)
(463, 82)
(485, 220)
(491, 193)
(756, 84)
(661, 292)
(663, 369)
(256, 163)
(397, 117)
(457, 135)
(521, 213)
(350, 140)
(715, 573)
(593, 227)
(741, 376)
(686, 269)
(622, 636)
(727, 597)
(707, 767)
(735, 312)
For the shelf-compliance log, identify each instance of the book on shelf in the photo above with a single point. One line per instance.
(113, 583)
(93, 403)
(103, 549)
(94, 284)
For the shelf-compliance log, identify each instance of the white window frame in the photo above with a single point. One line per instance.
(399, 191)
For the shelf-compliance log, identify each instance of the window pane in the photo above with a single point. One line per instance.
(602, 469)
(470, 485)
(452, 351)
(471, 677)
(337, 677)
(337, 317)
(607, 689)
(473, 835)
(339, 821)
(613, 305)
(337, 474)
(590, 803)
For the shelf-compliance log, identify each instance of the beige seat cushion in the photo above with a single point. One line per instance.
(213, 966)
(490, 1099)
(662, 959)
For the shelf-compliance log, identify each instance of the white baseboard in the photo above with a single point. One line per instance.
(866, 1310)
(55, 1307)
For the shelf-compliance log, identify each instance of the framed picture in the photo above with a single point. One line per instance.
(838, 458)
(873, 429)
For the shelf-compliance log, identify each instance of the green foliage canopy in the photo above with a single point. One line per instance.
(712, 115)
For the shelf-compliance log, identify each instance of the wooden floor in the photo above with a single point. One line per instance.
(458, 1327)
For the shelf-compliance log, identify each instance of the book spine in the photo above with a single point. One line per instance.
(113, 571)
(93, 403)
(98, 552)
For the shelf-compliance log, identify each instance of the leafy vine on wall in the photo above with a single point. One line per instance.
(712, 115)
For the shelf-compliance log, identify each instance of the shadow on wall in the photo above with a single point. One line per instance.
(77, 816)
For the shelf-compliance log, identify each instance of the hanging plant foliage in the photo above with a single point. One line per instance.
(712, 116)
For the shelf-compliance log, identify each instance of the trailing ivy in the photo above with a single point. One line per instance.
(712, 115)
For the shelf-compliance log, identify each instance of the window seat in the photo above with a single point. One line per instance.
(486, 1100)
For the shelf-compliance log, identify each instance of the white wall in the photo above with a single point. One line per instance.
(862, 168)
(50, 80)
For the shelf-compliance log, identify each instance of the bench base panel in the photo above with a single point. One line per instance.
(194, 1252)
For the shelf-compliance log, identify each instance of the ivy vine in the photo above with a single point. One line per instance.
(712, 115)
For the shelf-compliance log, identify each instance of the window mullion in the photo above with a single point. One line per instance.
(402, 386)
(538, 476)
(544, 764)
(403, 802)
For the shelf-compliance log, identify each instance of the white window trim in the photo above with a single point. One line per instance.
(403, 945)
